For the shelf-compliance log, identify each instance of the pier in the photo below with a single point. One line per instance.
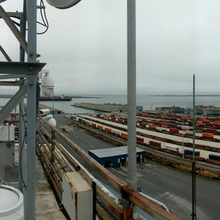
(106, 107)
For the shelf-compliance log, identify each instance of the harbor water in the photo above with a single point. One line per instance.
(148, 102)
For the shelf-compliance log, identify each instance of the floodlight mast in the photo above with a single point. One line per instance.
(131, 96)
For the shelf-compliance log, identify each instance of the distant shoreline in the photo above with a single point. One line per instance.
(74, 97)
(98, 97)
(183, 95)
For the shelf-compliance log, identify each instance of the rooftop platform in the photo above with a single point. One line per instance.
(46, 206)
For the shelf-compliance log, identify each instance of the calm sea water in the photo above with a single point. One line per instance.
(148, 102)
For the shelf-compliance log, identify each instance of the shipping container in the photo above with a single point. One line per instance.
(214, 157)
(143, 125)
(199, 124)
(140, 140)
(185, 128)
(205, 120)
(213, 131)
(208, 135)
(184, 117)
(174, 130)
(217, 125)
(152, 126)
(88, 123)
(190, 123)
(198, 128)
(154, 144)
(171, 148)
(100, 127)
(108, 129)
(173, 125)
(115, 132)
(202, 118)
(120, 120)
(165, 116)
(158, 116)
(124, 135)
(93, 125)
(157, 123)
(188, 152)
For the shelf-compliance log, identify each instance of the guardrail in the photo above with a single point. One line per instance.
(54, 156)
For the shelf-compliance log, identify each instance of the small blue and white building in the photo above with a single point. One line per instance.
(114, 157)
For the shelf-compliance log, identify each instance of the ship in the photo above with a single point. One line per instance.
(56, 98)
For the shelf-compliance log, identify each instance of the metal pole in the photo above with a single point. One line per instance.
(131, 91)
(193, 163)
(182, 141)
(193, 117)
(31, 113)
(62, 103)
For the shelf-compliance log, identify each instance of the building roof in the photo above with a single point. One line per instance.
(113, 151)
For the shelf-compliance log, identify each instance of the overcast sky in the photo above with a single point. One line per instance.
(85, 47)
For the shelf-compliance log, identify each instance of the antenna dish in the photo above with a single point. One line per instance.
(62, 4)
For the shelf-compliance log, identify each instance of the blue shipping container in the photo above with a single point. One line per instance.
(190, 152)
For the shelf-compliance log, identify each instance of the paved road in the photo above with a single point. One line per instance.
(167, 185)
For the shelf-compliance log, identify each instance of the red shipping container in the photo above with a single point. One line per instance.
(213, 131)
(155, 144)
(120, 120)
(217, 125)
(140, 140)
(100, 127)
(174, 130)
(108, 130)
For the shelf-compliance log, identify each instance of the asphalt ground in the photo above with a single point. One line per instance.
(169, 186)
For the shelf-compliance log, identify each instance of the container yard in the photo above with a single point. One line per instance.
(106, 107)
(199, 110)
(169, 139)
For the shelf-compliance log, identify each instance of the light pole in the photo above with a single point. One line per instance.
(62, 103)
(182, 140)
(131, 95)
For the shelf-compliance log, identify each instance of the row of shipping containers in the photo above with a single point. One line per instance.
(153, 144)
(173, 128)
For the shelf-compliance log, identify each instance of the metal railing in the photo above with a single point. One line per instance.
(56, 158)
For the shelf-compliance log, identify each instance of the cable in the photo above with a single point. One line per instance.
(20, 155)
(43, 17)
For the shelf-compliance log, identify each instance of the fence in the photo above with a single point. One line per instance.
(56, 159)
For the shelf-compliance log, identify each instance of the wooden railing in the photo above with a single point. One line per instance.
(56, 157)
